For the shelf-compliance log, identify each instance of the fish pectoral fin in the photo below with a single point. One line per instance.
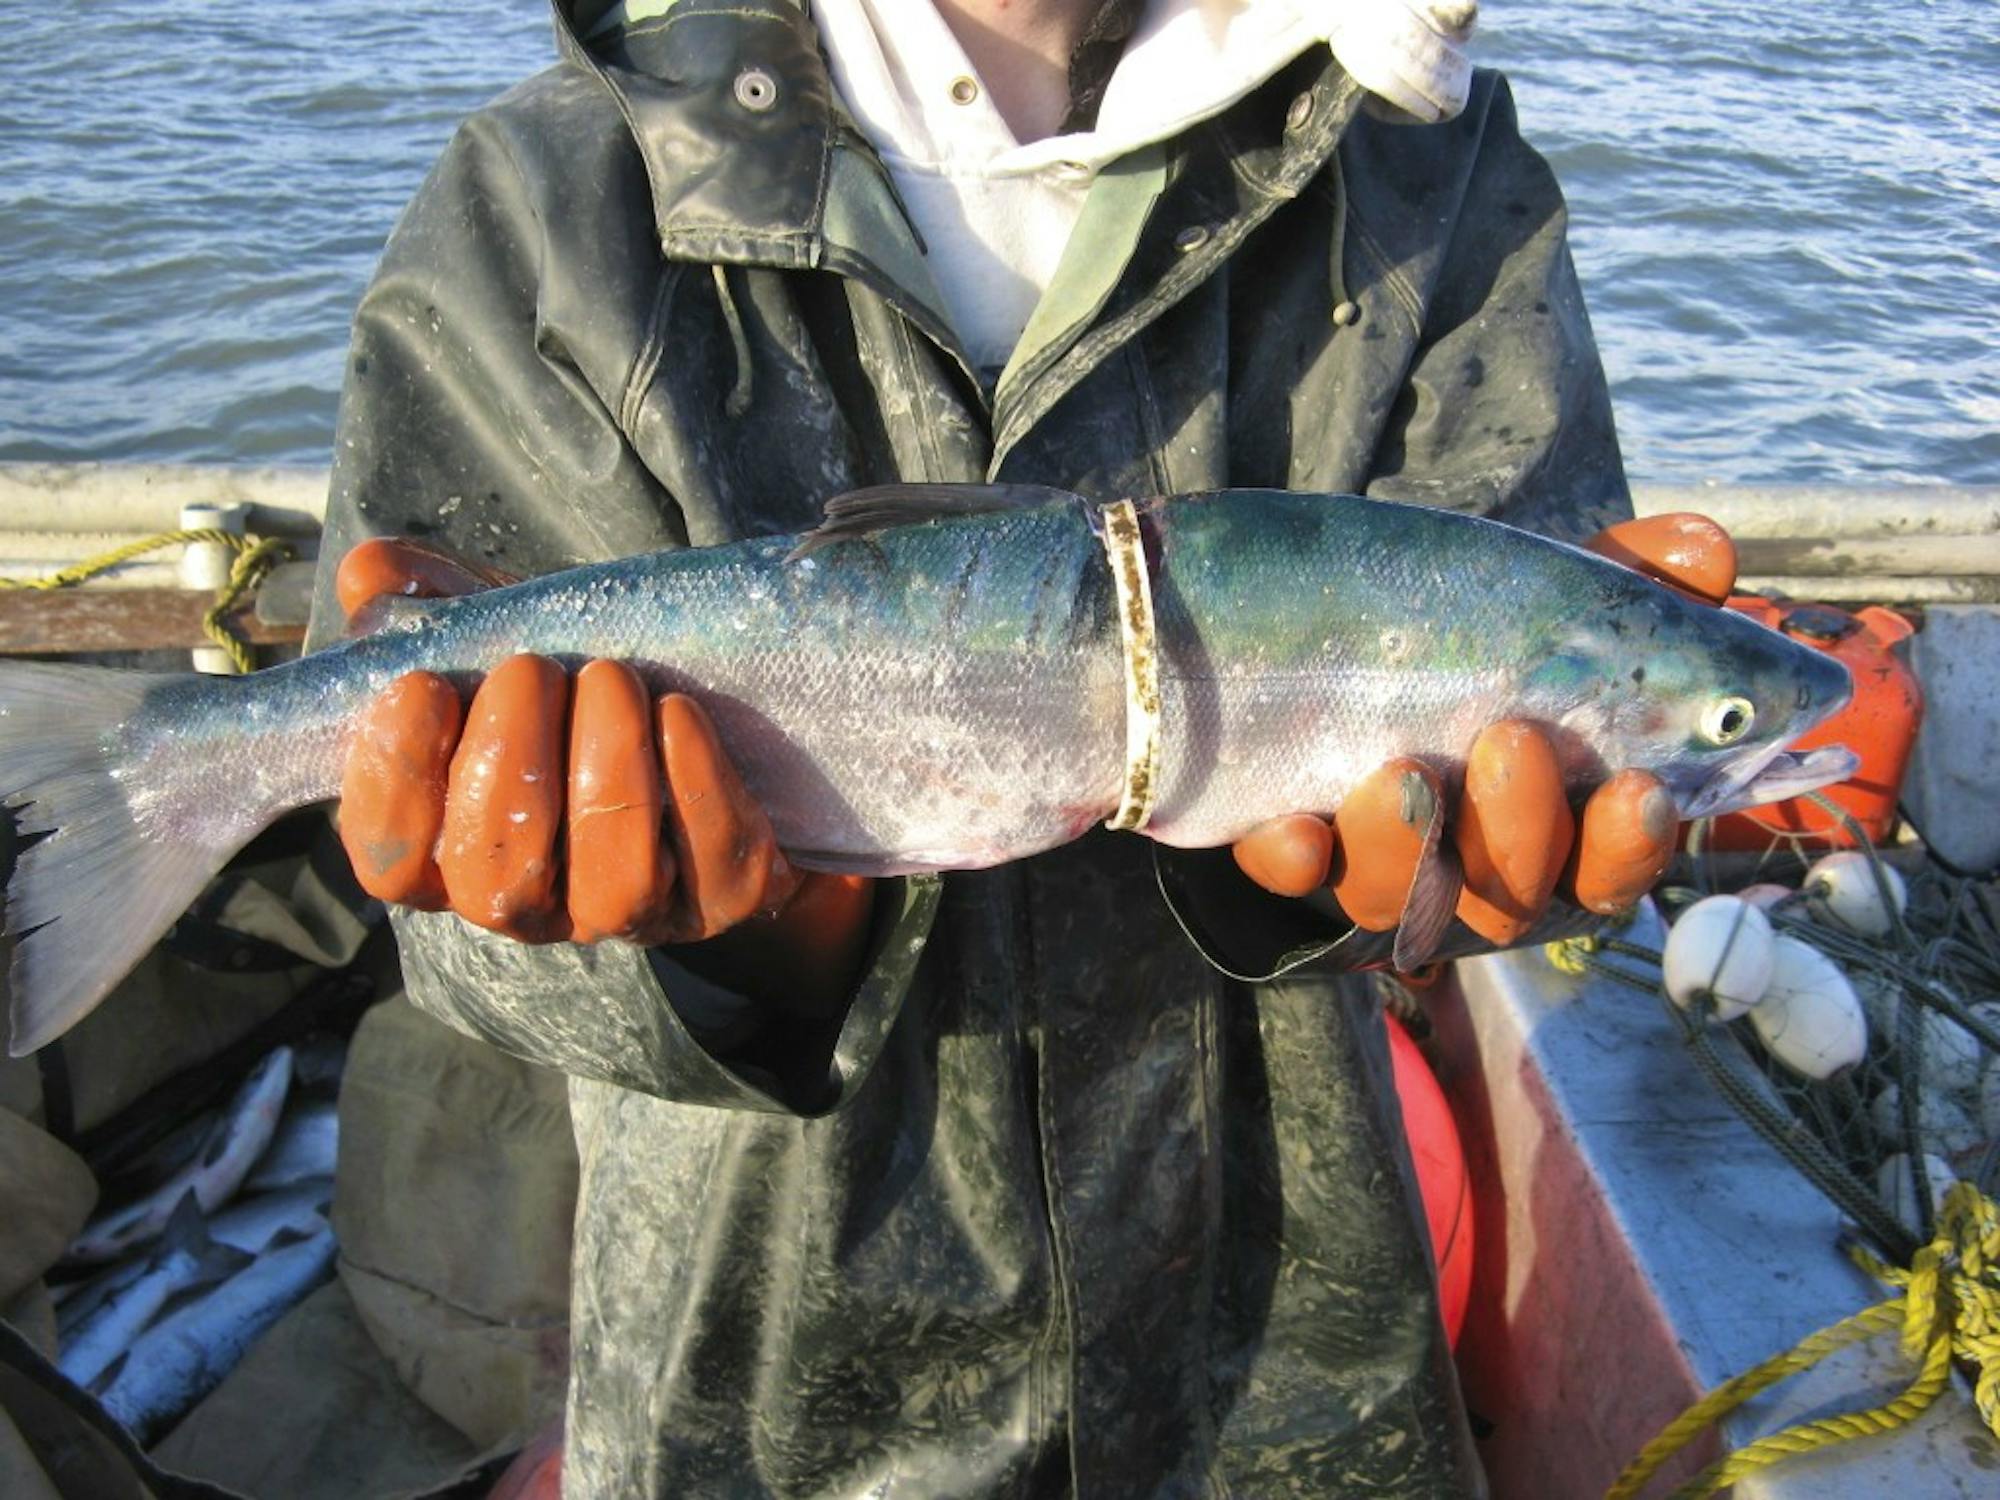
(881, 507)
(1433, 898)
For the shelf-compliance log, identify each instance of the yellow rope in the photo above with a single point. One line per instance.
(1950, 1305)
(244, 575)
(104, 562)
(255, 556)
(1571, 955)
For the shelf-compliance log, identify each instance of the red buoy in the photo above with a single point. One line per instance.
(1441, 1176)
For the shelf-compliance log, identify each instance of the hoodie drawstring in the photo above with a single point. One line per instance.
(739, 341)
(1345, 309)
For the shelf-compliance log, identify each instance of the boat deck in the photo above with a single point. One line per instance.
(1638, 1244)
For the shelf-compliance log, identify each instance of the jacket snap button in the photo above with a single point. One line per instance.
(1345, 313)
(1300, 112)
(1191, 238)
(756, 90)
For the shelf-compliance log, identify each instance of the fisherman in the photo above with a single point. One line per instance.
(983, 1184)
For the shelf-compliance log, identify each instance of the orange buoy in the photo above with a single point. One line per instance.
(1880, 726)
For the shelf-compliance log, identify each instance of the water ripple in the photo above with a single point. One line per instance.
(1785, 219)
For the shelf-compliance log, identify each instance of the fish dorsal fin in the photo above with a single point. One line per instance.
(861, 513)
(187, 1234)
(186, 1228)
(295, 1233)
(108, 1376)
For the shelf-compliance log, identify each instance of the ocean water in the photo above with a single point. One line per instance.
(1787, 218)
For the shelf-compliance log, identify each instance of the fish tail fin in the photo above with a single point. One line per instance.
(130, 830)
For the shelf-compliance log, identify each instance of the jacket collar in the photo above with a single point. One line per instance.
(745, 144)
(730, 105)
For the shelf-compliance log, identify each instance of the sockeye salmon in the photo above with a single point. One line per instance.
(252, 1223)
(185, 1355)
(236, 1142)
(187, 1258)
(937, 679)
(306, 1145)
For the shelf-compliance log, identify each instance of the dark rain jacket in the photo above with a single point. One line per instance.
(1054, 1206)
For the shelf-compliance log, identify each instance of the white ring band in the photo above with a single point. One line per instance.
(1125, 548)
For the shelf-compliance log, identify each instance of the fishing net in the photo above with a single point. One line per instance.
(1887, 1136)
(1922, 1107)
(1891, 1107)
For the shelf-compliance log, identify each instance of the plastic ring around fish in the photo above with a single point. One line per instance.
(1124, 548)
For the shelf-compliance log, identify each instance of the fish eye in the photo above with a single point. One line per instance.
(1727, 720)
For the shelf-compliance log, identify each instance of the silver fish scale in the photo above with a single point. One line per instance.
(951, 695)
(1309, 639)
(1302, 656)
(939, 696)
(947, 696)
(943, 696)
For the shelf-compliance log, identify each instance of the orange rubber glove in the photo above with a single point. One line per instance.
(536, 1472)
(550, 811)
(1516, 836)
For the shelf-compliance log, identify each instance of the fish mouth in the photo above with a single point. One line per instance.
(1771, 777)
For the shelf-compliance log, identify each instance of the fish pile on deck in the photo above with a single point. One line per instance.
(224, 1227)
